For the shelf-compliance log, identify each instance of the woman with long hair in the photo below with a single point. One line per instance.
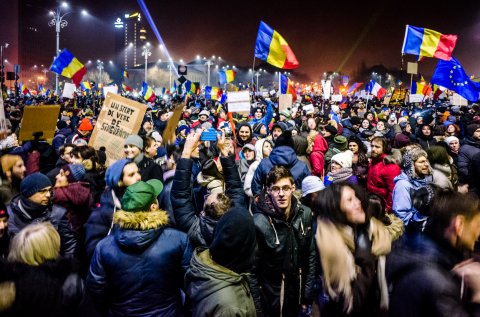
(360, 159)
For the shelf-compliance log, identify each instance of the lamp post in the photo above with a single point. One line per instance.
(100, 68)
(2, 67)
(146, 53)
(257, 74)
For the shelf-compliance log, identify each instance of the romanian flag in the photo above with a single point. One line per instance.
(125, 74)
(272, 48)
(86, 85)
(354, 87)
(420, 88)
(428, 43)
(147, 92)
(23, 89)
(190, 87)
(226, 76)
(286, 87)
(213, 93)
(67, 65)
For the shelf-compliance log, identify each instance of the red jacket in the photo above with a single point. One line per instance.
(380, 178)
(317, 157)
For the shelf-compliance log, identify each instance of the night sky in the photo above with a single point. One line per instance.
(325, 36)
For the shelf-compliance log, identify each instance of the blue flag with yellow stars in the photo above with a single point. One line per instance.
(451, 75)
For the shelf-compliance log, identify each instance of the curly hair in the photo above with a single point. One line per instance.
(219, 207)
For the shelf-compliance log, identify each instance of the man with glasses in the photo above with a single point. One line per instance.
(285, 259)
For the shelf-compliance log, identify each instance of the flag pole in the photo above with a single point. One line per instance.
(253, 72)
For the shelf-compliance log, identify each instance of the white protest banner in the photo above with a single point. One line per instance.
(158, 91)
(238, 101)
(285, 101)
(458, 100)
(3, 123)
(118, 118)
(69, 90)
(113, 89)
(39, 119)
(336, 97)
(327, 88)
(412, 68)
(415, 98)
(308, 109)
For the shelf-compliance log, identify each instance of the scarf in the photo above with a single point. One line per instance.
(31, 209)
(341, 175)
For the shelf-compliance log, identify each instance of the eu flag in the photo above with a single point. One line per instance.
(450, 74)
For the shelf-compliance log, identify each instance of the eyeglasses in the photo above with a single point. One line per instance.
(276, 189)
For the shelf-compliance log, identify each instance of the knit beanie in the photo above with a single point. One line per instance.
(8, 161)
(257, 127)
(285, 139)
(234, 240)
(409, 159)
(34, 183)
(135, 140)
(333, 131)
(471, 128)
(76, 172)
(344, 159)
(85, 125)
(450, 139)
(114, 173)
(286, 114)
(61, 125)
(341, 142)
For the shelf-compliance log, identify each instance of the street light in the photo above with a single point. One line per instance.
(100, 68)
(257, 74)
(2, 67)
(146, 53)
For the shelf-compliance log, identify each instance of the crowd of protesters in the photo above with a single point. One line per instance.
(352, 209)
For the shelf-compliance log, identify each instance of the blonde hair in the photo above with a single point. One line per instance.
(35, 244)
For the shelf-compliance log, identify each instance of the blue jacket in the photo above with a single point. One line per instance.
(266, 119)
(402, 204)
(138, 269)
(284, 156)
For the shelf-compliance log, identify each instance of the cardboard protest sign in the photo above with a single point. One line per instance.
(238, 101)
(3, 123)
(69, 90)
(415, 98)
(458, 100)
(285, 101)
(412, 68)
(119, 117)
(39, 118)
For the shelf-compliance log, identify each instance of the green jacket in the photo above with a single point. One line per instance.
(216, 290)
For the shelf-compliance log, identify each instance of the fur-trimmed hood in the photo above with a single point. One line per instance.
(137, 230)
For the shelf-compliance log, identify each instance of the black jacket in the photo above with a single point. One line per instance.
(284, 249)
(148, 169)
(200, 228)
(421, 282)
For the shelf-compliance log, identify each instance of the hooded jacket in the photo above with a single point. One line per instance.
(317, 156)
(239, 144)
(425, 141)
(247, 185)
(215, 290)
(468, 150)
(284, 249)
(283, 156)
(381, 174)
(416, 258)
(138, 269)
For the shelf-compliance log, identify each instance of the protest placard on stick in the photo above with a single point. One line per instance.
(119, 117)
(39, 119)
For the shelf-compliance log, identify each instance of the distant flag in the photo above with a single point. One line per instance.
(40, 88)
(190, 87)
(164, 91)
(223, 98)
(420, 88)
(451, 75)
(147, 92)
(213, 93)
(437, 91)
(286, 87)
(226, 76)
(429, 43)
(126, 88)
(354, 87)
(86, 85)
(47, 93)
(67, 65)
(271, 47)
(125, 74)
(375, 89)
(23, 89)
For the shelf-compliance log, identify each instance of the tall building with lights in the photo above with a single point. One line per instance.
(130, 36)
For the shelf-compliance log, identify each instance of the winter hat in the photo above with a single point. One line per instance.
(34, 183)
(355, 120)
(409, 159)
(61, 125)
(234, 240)
(85, 125)
(183, 127)
(341, 142)
(257, 127)
(471, 128)
(285, 139)
(344, 159)
(450, 139)
(139, 196)
(281, 125)
(286, 114)
(76, 172)
(311, 184)
(331, 129)
(156, 135)
(249, 146)
(134, 139)
(204, 112)
(403, 125)
(8, 161)
(114, 172)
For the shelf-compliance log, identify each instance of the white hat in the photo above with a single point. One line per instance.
(156, 135)
(311, 184)
(450, 139)
(204, 112)
(344, 158)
